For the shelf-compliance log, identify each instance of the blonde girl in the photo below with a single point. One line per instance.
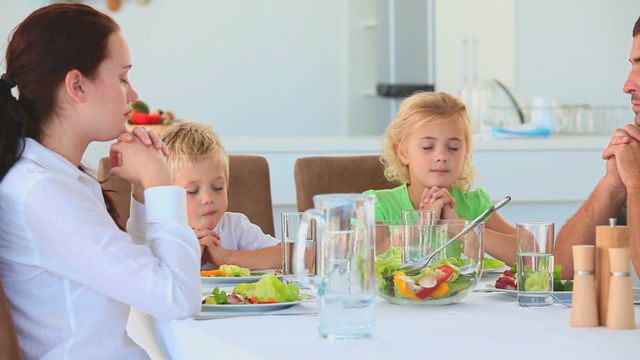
(427, 148)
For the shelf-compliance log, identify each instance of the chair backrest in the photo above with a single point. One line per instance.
(249, 190)
(9, 346)
(337, 174)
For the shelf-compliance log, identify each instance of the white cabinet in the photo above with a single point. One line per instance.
(474, 41)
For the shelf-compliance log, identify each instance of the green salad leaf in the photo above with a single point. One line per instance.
(217, 297)
(558, 283)
(235, 271)
(537, 281)
(269, 287)
(491, 263)
(389, 261)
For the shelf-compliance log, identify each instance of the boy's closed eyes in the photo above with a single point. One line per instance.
(206, 187)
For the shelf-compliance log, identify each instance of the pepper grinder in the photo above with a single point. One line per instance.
(607, 237)
(584, 305)
(620, 313)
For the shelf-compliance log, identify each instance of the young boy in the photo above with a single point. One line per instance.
(199, 163)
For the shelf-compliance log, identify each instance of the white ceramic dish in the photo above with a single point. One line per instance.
(496, 270)
(226, 280)
(305, 295)
(563, 296)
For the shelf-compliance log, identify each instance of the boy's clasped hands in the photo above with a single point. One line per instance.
(211, 247)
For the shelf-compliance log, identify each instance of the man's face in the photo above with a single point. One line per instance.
(632, 85)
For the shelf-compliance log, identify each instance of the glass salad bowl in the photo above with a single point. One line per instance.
(450, 276)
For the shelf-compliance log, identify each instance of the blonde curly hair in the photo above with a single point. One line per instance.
(190, 143)
(419, 109)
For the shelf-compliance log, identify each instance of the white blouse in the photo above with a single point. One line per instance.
(71, 275)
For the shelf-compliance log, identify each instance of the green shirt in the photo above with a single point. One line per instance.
(391, 202)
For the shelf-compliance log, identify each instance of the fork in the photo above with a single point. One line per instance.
(413, 268)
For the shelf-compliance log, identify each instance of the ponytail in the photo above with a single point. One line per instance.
(12, 126)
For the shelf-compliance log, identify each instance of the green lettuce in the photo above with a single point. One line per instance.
(269, 287)
(235, 271)
(490, 263)
(537, 281)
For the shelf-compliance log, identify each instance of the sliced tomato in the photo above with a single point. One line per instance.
(447, 272)
(425, 292)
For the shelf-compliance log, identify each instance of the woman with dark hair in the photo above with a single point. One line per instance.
(69, 273)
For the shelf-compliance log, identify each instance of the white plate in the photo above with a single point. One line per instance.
(493, 288)
(249, 307)
(496, 270)
(306, 296)
(563, 296)
(224, 280)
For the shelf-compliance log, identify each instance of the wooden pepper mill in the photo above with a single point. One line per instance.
(607, 237)
(584, 303)
(620, 313)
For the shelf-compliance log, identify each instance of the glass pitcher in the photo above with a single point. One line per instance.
(345, 283)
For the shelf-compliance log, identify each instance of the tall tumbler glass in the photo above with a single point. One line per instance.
(417, 226)
(534, 252)
(290, 226)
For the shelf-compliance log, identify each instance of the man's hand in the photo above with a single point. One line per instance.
(612, 177)
(627, 157)
(623, 157)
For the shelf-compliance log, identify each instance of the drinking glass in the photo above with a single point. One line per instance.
(416, 235)
(418, 217)
(534, 252)
(290, 226)
(345, 283)
(389, 233)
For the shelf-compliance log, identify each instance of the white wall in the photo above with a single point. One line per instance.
(575, 51)
(245, 66)
(289, 68)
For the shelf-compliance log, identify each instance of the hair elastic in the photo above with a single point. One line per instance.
(7, 80)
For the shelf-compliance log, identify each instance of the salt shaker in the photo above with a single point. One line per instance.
(607, 237)
(584, 305)
(620, 312)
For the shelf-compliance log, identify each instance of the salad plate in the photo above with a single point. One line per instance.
(493, 288)
(223, 280)
(304, 296)
(563, 296)
(498, 270)
(249, 307)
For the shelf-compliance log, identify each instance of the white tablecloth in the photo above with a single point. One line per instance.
(481, 326)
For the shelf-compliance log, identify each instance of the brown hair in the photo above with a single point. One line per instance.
(418, 109)
(636, 28)
(45, 46)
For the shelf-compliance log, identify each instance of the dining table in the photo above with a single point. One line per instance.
(483, 325)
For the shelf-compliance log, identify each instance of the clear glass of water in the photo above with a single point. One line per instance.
(290, 225)
(534, 252)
